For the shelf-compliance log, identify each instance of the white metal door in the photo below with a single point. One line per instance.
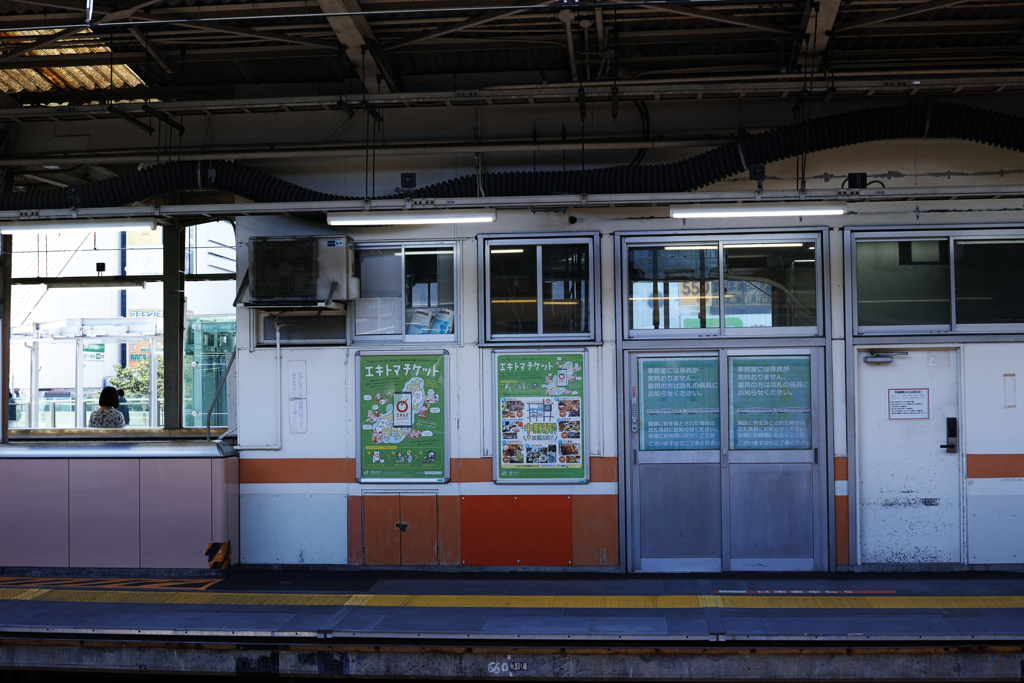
(908, 459)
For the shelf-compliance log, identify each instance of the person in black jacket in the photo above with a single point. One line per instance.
(122, 407)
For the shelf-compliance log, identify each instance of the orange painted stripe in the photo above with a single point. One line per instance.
(297, 471)
(842, 529)
(842, 469)
(472, 469)
(995, 465)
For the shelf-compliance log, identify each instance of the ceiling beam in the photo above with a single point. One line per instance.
(191, 56)
(465, 24)
(157, 56)
(819, 30)
(724, 18)
(898, 14)
(357, 39)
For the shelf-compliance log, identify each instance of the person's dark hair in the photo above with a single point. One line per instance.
(120, 392)
(108, 397)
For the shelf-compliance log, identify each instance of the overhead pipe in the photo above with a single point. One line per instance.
(915, 120)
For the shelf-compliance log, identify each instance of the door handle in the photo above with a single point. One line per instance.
(815, 456)
(725, 458)
(634, 416)
(636, 457)
(951, 436)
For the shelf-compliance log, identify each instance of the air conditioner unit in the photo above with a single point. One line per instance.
(300, 273)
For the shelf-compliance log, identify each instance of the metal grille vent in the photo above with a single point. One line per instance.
(283, 269)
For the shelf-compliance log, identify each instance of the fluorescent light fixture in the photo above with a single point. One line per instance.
(506, 251)
(698, 247)
(412, 217)
(761, 245)
(91, 225)
(759, 211)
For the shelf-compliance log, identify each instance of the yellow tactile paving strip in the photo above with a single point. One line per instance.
(519, 601)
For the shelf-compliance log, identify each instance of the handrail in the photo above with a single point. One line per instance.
(220, 387)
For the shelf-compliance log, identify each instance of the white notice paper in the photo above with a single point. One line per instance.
(1010, 391)
(909, 404)
(297, 396)
(296, 379)
(297, 416)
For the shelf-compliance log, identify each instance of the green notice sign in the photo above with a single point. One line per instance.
(94, 351)
(403, 412)
(679, 404)
(541, 399)
(770, 403)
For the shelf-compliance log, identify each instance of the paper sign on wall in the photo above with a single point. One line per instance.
(909, 404)
(297, 396)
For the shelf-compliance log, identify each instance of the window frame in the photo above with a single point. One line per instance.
(405, 337)
(590, 239)
(171, 418)
(722, 239)
(951, 236)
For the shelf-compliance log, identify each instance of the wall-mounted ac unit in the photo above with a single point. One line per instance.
(300, 272)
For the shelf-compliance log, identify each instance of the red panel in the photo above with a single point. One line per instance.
(516, 531)
(604, 469)
(842, 530)
(419, 535)
(448, 530)
(355, 530)
(595, 534)
(381, 539)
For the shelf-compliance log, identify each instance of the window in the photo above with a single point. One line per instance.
(714, 287)
(407, 293)
(87, 311)
(539, 288)
(939, 283)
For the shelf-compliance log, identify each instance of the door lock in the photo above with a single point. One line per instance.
(634, 416)
(402, 526)
(951, 434)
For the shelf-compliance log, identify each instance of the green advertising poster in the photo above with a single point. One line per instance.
(402, 417)
(679, 404)
(541, 399)
(770, 402)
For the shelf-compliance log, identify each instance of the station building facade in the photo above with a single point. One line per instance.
(600, 383)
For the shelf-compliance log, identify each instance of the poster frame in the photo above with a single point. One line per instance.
(447, 421)
(496, 407)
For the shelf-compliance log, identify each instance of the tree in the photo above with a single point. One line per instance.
(135, 379)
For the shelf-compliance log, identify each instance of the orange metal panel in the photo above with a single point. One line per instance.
(472, 469)
(595, 529)
(419, 530)
(604, 469)
(516, 530)
(381, 538)
(355, 530)
(297, 470)
(842, 469)
(448, 530)
(1005, 465)
(842, 530)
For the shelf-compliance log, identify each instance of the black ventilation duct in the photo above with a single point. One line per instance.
(915, 120)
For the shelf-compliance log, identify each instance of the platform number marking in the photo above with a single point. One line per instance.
(498, 668)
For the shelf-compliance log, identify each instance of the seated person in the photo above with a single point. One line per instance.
(122, 407)
(107, 416)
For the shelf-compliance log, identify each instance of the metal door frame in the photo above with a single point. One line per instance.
(819, 486)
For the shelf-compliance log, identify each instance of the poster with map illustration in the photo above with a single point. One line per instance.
(541, 400)
(402, 417)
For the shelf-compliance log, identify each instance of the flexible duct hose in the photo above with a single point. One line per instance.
(915, 120)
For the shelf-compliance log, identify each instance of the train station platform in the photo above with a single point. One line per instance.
(434, 625)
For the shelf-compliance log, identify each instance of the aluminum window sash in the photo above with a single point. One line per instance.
(592, 241)
(952, 285)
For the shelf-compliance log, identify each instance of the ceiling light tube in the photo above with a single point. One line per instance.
(412, 217)
(91, 225)
(759, 211)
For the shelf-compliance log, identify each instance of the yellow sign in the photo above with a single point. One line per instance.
(146, 238)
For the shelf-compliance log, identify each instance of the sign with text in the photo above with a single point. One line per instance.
(770, 403)
(679, 404)
(541, 400)
(402, 413)
(909, 404)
